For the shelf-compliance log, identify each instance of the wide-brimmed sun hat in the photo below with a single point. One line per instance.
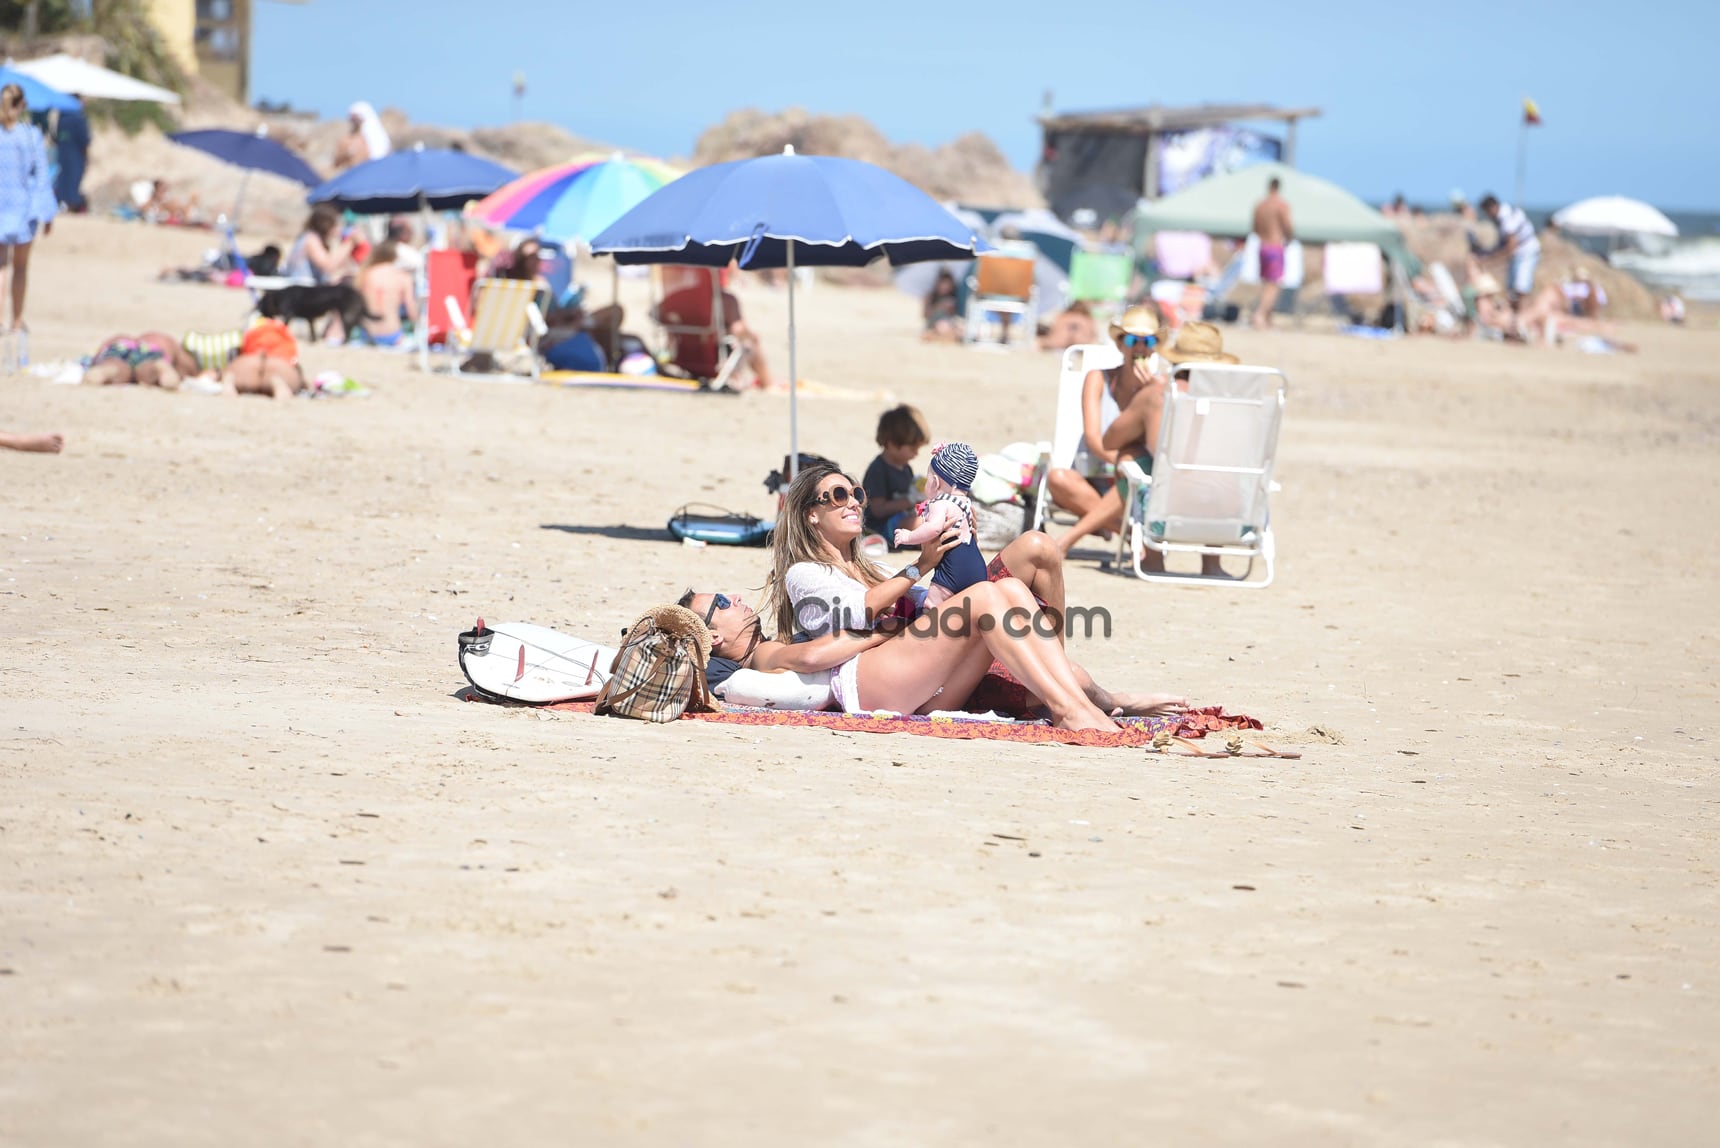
(1486, 285)
(1198, 342)
(1136, 321)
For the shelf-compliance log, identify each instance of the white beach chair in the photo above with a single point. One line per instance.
(1210, 490)
(1065, 444)
(505, 322)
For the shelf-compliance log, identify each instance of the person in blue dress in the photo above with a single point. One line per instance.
(27, 204)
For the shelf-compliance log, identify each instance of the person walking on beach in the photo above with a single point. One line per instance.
(27, 203)
(1272, 226)
(1517, 243)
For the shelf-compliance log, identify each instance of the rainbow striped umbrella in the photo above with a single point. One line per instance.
(574, 200)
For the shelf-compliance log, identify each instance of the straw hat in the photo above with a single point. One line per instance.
(1486, 285)
(681, 622)
(1198, 342)
(1136, 320)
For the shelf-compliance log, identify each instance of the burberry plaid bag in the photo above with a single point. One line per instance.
(659, 672)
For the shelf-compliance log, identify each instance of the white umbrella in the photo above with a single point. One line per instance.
(91, 81)
(1614, 215)
(1036, 220)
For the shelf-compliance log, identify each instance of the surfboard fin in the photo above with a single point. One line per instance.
(520, 672)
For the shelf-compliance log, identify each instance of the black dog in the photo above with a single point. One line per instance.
(312, 303)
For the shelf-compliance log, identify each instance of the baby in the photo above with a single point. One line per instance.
(948, 503)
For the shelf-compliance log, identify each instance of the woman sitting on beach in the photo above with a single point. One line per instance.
(939, 310)
(1088, 488)
(389, 293)
(1134, 433)
(319, 254)
(1031, 561)
(822, 585)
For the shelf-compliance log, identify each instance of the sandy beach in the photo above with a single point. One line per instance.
(268, 880)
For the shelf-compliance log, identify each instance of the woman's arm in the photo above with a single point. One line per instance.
(44, 204)
(824, 653)
(1138, 424)
(1092, 403)
(886, 593)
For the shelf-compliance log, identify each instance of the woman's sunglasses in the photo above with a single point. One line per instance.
(839, 496)
(1148, 341)
(718, 602)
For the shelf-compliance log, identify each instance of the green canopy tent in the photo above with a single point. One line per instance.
(1322, 212)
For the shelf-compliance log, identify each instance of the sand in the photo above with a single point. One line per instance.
(268, 881)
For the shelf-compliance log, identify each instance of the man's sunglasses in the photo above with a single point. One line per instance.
(1148, 341)
(718, 602)
(839, 496)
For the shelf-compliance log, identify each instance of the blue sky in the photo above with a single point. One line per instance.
(1417, 97)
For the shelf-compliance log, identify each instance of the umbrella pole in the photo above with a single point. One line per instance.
(615, 301)
(793, 379)
(239, 203)
(423, 287)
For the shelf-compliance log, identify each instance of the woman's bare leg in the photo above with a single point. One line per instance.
(1071, 491)
(158, 373)
(108, 373)
(905, 674)
(242, 375)
(1043, 635)
(1037, 562)
(282, 379)
(1105, 515)
(20, 282)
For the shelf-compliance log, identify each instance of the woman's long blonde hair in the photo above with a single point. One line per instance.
(795, 540)
(11, 106)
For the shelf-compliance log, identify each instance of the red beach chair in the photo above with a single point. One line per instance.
(695, 330)
(451, 276)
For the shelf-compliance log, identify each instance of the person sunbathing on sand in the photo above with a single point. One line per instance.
(262, 374)
(153, 359)
(34, 443)
(822, 584)
(1031, 562)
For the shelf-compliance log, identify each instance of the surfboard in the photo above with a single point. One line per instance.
(526, 663)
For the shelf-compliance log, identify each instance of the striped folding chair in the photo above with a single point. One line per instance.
(505, 322)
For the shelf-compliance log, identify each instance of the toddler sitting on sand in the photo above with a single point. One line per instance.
(948, 503)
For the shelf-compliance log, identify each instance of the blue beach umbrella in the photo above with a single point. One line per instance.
(249, 151)
(788, 210)
(253, 151)
(419, 178)
(39, 96)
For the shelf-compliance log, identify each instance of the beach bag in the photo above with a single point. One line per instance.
(997, 524)
(659, 672)
(702, 522)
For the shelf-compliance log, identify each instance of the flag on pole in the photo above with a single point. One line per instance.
(1531, 113)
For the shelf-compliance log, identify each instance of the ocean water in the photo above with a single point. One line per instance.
(1688, 265)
